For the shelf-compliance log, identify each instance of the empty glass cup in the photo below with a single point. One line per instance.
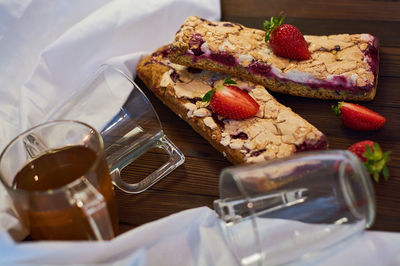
(114, 105)
(291, 209)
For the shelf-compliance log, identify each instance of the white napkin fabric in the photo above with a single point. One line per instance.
(48, 49)
(192, 237)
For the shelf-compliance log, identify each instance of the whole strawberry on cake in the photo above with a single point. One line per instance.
(286, 40)
(343, 66)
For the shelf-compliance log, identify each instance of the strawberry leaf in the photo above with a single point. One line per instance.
(386, 155)
(336, 109)
(376, 177)
(229, 81)
(207, 97)
(377, 150)
(369, 154)
(385, 172)
(272, 24)
(376, 161)
(368, 165)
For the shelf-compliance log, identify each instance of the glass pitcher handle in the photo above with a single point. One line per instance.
(176, 158)
(92, 203)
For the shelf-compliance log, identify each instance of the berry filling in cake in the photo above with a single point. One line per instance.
(199, 49)
(308, 145)
(273, 131)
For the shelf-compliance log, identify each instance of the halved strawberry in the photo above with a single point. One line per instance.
(231, 102)
(358, 117)
(371, 155)
(285, 40)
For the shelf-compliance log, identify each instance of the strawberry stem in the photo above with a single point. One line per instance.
(336, 109)
(272, 24)
(376, 161)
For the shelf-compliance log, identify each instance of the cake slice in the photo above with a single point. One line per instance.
(274, 132)
(341, 66)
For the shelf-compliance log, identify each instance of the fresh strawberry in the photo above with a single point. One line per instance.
(231, 102)
(371, 155)
(360, 147)
(285, 40)
(358, 117)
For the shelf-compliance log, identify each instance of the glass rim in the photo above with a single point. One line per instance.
(368, 188)
(104, 67)
(90, 80)
(65, 187)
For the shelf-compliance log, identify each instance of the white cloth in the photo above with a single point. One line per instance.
(180, 239)
(192, 237)
(48, 49)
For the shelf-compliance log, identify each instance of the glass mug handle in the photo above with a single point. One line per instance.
(92, 203)
(175, 159)
(33, 146)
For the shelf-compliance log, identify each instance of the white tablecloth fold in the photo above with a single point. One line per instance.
(192, 237)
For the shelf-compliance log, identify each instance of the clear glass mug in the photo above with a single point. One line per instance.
(64, 191)
(292, 209)
(113, 104)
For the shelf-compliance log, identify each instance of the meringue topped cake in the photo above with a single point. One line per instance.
(343, 66)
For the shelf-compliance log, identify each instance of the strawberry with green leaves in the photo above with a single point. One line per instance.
(358, 117)
(231, 102)
(374, 159)
(285, 40)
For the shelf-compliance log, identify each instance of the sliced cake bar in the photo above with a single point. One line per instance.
(341, 66)
(274, 132)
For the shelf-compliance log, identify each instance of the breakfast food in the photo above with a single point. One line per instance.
(341, 66)
(358, 117)
(274, 132)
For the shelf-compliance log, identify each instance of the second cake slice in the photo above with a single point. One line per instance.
(341, 66)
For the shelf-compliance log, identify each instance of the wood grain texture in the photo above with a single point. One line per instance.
(195, 183)
(358, 10)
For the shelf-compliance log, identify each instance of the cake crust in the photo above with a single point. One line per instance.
(342, 66)
(275, 132)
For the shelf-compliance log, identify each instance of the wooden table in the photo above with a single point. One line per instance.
(195, 183)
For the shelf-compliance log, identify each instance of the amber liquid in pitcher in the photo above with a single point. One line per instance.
(52, 217)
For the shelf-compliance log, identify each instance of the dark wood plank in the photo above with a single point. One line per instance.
(386, 92)
(383, 29)
(390, 61)
(195, 176)
(151, 205)
(357, 10)
(195, 183)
